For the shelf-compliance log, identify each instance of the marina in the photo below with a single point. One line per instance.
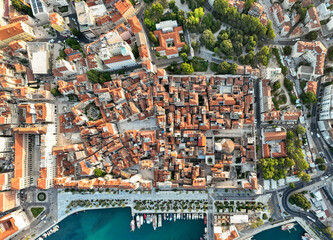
(156, 219)
(114, 224)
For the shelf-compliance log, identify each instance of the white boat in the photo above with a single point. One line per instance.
(154, 221)
(159, 220)
(141, 219)
(132, 225)
(287, 226)
(138, 223)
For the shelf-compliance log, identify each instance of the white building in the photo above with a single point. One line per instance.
(288, 3)
(326, 111)
(65, 68)
(39, 10)
(5, 180)
(117, 56)
(314, 53)
(85, 18)
(60, 3)
(48, 164)
(11, 224)
(323, 12)
(39, 56)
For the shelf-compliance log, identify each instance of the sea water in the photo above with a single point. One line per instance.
(114, 224)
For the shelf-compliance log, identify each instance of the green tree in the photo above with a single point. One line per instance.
(308, 97)
(248, 4)
(264, 216)
(300, 130)
(152, 37)
(98, 172)
(233, 68)
(330, 53)
(287, 50)
(187, 68)
(291, 185)
(299, 200)
(55, 92)
(320, 160)
(208, 39)
(311, 36)
(263, 56)
(184, 57)
(220, 6)
(322, 167)
(76, 32)
(73, 43)
(195, 45)
(290, 135)
(223, 67)
(276, 86)
(185, 49)
(135, 51)
(306, 177)
(156, 11)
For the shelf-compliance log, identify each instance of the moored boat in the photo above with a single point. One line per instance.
(141, 219)
(174, 217)
(154, 221)
(205, 219)
(287, 226)
(307, 237)
(170, 217)
(159, 220)
(132, 225)
(164, 216)
(138, 223)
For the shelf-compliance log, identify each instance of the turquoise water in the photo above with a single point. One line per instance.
(114, 224)
(278, 234)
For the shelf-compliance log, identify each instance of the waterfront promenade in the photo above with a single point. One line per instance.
(64, 198)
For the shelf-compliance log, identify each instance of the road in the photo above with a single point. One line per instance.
(302, 214)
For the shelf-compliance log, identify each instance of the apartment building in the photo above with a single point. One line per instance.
(15, 31)
(58, 23)
(8, 200)
(39, 10)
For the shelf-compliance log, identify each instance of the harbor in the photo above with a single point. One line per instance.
(116, 224)
(156, 220)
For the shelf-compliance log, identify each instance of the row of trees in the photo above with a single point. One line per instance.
(294, 150)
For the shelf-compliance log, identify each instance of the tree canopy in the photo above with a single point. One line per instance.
(95, 76)
(187, 68)
(300, 130)
(275, 168)
(208, 39)
(299, 200)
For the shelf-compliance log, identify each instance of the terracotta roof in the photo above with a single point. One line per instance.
(135, 24)
(117, 59)
(271, 136)
(163, 37)
(10, 30)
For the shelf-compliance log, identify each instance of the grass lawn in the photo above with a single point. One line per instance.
(36, 211)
